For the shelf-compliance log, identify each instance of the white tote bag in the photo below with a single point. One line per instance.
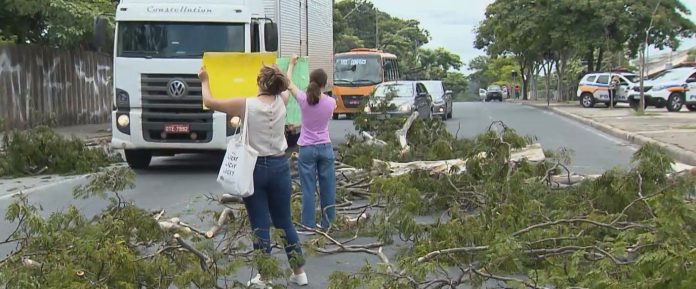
(237, 171)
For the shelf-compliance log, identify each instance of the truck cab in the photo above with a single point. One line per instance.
(158, 47)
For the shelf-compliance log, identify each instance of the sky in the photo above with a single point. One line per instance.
(451, 23)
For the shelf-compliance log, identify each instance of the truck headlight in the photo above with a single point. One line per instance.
(122, 98)
(123, 120)
(367, 109)
(405, 108)
(234, 122)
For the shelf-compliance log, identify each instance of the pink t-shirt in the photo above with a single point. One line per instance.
(315, 119)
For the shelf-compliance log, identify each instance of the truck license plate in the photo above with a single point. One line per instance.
(176, 128)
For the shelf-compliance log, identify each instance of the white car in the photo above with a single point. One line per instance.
(594, 88)
(672, 88)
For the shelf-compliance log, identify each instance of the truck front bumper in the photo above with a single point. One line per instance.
(132, 135)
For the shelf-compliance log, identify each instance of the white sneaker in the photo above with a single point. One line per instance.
(299, 279)
(259, 284)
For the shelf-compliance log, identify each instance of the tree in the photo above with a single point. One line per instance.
(533, 32)
(457, 83)
(435, 64)
(58, 23)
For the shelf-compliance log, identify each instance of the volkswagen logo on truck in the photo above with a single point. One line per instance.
(176, 88)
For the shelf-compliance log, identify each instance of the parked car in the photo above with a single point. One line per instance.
(494, 92)
(482, 94)
(594, 88)
(408, 96)
(442, 99)
(673, 88)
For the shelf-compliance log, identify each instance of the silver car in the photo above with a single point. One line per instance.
(442, 99)
(406, 97)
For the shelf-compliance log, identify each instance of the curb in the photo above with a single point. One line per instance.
(679, 154)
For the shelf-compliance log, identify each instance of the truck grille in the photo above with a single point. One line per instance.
(352, 101)
(162, 106)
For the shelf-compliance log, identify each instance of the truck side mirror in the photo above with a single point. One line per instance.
(271, 36)
(448, 92)
(99, 32)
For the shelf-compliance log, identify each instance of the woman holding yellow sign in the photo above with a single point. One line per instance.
(270, 201)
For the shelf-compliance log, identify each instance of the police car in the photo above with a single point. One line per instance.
(594, 88)
(673, 89)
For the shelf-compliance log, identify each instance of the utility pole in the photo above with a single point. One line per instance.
(641, 104)
(376, 29)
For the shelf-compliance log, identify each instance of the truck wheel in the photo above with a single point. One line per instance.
(138, 159)
(675, 102)
(691, 107)
(587, 100)
(449, 114)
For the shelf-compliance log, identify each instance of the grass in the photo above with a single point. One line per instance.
(686, 126)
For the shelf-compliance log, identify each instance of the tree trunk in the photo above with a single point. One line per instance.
(590, 61)
(600, 57)
(525, 82)
(535, 73)
(560, 73)
(547, 81)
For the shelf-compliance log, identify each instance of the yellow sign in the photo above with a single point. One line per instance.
(233, 74)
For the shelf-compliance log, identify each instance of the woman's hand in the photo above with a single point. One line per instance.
(293, 59)
(203, 75)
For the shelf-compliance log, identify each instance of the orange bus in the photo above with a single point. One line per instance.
(355, 75)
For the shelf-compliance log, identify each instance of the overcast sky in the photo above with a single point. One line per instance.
(451, 23)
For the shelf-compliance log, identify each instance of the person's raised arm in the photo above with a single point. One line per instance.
(233, 106)
(291, 67)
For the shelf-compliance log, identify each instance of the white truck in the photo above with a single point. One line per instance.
(158, 46)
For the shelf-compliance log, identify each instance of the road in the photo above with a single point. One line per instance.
(178, 184)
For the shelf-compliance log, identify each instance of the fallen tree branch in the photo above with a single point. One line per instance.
(225, 217)
(506, 279)
(403, 132)
(370, 140)
(435, 254)
(571, 221)
(205, 261)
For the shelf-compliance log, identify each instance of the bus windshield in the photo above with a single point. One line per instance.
(177, 39)
(357, 70)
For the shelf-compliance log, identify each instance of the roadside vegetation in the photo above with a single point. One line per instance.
(41, 151)
(497, 211)
(551, 44)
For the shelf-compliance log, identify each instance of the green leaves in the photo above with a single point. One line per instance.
(58, 23)
(42, 151)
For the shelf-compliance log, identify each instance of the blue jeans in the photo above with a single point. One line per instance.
(270, 203)
(317, 161)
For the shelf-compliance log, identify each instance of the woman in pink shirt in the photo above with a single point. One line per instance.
(316, 160)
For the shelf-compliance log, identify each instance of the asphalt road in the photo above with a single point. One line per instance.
(178, 184)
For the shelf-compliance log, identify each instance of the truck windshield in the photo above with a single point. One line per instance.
(178, 39)
(357, 70)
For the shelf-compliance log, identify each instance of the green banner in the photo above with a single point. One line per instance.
(300, 77)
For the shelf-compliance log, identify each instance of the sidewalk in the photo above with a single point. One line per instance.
(673, 131)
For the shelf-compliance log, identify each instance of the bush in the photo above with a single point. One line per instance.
(41, 151)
